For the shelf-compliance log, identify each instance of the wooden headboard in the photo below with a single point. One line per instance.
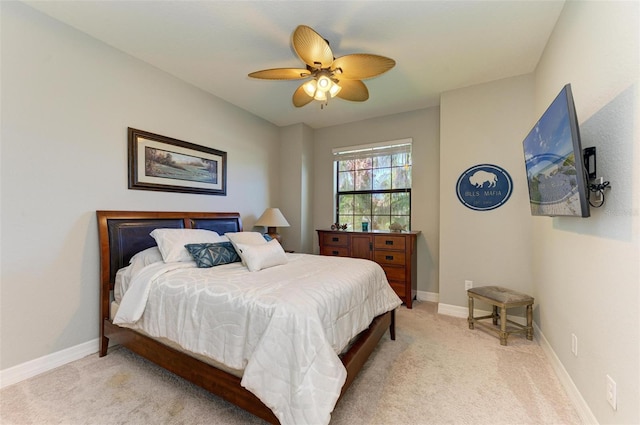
(122, 234)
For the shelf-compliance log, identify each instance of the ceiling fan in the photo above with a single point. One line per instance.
(329, 76)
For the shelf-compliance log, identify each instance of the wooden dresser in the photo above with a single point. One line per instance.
(395, 252)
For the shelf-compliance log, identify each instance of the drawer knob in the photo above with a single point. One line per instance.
(334, 239)
(388, 242)
(335, 252)
(389, 257)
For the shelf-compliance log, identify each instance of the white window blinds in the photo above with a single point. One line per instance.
(372, 149)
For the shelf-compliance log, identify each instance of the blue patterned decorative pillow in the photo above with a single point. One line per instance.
(213, 254)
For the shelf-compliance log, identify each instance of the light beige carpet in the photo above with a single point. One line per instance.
(436, 372)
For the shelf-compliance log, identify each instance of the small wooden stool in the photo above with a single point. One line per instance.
(504, 298)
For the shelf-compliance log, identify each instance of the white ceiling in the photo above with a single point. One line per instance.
(437, 45)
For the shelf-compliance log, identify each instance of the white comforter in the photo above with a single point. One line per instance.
(282, 325)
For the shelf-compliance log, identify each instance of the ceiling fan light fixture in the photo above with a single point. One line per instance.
(310, 88)
(321, 88)
(320, 95)
(324, 83)
(335, 89)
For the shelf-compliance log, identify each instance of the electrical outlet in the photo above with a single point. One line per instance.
(612, 396)
(574, 344)
(468, 284)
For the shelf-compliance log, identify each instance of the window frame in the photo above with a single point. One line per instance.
(372, 150)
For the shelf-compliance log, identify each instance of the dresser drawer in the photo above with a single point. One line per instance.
(389, 257)
(394, 273)
(389, 242)
(339, 251)
(335, 239)
(399, 288)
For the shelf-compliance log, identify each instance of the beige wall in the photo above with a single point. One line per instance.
(67, 101)
(484, 124)
(295, 189)
(586, 271)
(422, 126)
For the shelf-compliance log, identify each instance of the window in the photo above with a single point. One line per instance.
(374, 185)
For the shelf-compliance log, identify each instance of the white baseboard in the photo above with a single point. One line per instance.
(29, 369)
(453, 310)
(582, 408)
(576, 398)
(427, 296)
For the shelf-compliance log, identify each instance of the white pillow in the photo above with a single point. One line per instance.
(137, 263)
(262, 256)
(246, 238)
(146, 257)
(171, 242)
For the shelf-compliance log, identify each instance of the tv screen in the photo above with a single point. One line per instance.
(554, 162)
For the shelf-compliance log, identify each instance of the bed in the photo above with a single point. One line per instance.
(122, 234)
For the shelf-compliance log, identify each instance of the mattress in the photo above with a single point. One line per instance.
(283, 326)
(176, 346)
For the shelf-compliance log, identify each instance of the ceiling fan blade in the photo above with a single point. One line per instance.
(312, 48)
(300, 97)
(281, 74)
(354, 90)
(360, 66)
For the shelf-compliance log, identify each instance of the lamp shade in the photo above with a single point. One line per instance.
(272, 217)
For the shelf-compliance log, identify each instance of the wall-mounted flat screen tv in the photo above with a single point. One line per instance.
(554, 162)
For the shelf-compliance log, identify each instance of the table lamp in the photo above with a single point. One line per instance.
(272, 218)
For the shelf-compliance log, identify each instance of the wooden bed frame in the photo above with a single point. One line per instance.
(124, 233)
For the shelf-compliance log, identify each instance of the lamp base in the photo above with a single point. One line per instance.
(271, 231)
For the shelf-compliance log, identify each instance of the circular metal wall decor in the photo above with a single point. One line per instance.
(484, 187)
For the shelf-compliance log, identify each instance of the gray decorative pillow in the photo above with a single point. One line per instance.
(213, 254)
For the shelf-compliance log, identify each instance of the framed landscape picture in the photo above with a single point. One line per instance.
(164, 164)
